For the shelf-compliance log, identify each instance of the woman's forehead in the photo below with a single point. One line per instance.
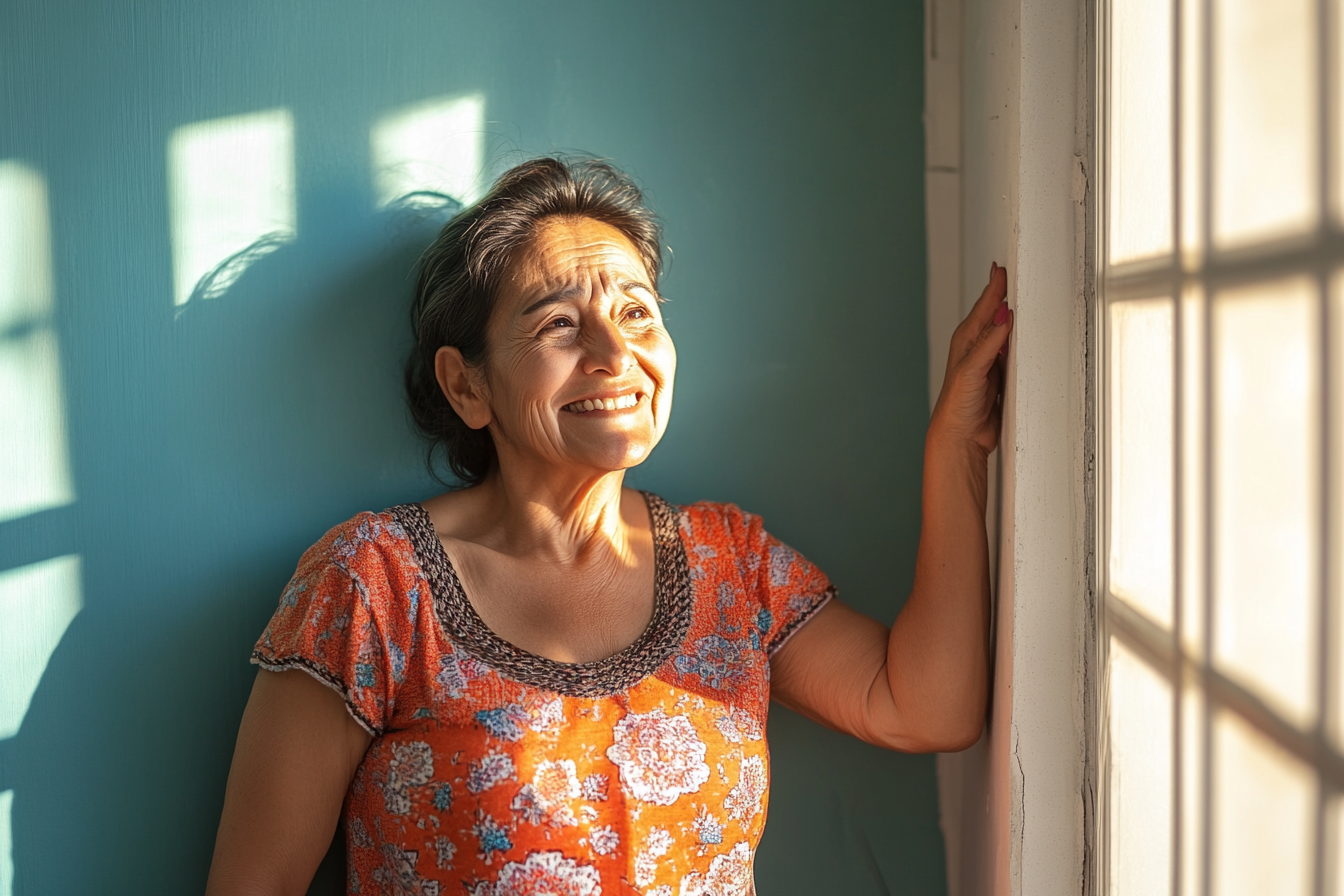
(568, 249)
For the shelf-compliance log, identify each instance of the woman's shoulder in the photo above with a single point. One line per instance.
(366, 542)
(718, 521)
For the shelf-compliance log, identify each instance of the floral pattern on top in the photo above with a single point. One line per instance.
(493, 771)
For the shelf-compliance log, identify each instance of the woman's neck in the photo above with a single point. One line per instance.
(561, 519)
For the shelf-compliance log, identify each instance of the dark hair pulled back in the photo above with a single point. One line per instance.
(461, 272)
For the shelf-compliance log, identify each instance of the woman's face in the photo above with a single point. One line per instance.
(580, 366)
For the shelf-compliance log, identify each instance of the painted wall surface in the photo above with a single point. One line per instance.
(168, 450)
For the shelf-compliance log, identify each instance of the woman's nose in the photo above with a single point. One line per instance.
(605, 348)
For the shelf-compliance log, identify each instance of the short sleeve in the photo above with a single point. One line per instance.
(333, 622)
(788, 588)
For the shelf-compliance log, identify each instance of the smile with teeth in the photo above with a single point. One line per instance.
(618, 403)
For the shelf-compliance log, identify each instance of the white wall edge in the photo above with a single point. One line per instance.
(1017, 807)
(1050, 448)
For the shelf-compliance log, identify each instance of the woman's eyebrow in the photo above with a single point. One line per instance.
(552, 298)
(570, 292)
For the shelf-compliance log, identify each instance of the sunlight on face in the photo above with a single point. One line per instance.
(580, 368)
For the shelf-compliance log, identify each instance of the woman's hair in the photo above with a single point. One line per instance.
(461, 272)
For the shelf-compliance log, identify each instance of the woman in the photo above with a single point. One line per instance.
(545, 682)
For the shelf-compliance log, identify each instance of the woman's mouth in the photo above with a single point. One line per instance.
(615, 403)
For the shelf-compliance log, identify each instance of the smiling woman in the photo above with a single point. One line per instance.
(476, 263)
(586, 364)
(544, 682)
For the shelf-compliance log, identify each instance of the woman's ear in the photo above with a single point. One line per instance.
(462, 385)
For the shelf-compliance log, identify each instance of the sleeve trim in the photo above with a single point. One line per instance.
(788, 631)
(322, 675)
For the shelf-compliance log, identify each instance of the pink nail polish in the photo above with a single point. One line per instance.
(1001, 316)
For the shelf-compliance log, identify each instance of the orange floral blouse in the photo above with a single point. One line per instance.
(493, 771)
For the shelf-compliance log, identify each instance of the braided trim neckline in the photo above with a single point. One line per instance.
(662, 637)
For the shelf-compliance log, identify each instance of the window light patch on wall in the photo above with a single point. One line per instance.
(37, 604)
(34, 460)
(434, 146)
(231, 188)
(6, 842)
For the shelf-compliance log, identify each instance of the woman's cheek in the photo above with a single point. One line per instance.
(665, 368)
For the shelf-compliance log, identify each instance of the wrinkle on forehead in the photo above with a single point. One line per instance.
(569, 251)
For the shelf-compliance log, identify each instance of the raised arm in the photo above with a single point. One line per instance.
(297, 750)
(923, 684)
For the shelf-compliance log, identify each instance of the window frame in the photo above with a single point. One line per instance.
(1318, 255)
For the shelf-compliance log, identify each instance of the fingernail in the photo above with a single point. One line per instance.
(1001, 316)
(993, 266)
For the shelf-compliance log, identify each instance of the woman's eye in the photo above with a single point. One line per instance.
(636, 313)
(559, 322)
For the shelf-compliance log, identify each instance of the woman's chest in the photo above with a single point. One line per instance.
(571, 613)
(650, 784)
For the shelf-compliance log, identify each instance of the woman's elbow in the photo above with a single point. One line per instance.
(941, 732)
(961, 738)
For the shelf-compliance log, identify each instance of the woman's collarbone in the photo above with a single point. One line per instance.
(566, 613)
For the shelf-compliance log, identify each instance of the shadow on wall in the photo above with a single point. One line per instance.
(270, 391)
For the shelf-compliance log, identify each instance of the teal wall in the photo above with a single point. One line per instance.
(210, 443)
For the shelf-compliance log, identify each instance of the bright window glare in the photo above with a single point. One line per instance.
(1263, 802)
(34, 462)
(1214, 413)
(1265, 93)
(1141, 88)
(37, 603)
(1194, 450)
(1192, 132)
(1267, 488)
(1141, 779)
(1193, 708)
(1141, 474)
(230, 186)
(1336, 337)
(436, 145)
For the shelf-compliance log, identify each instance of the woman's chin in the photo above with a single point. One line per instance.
(612, 458)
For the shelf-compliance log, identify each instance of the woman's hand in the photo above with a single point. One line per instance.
(968, 408)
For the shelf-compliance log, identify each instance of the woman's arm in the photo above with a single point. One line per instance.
(923, 685)
(297, 750)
